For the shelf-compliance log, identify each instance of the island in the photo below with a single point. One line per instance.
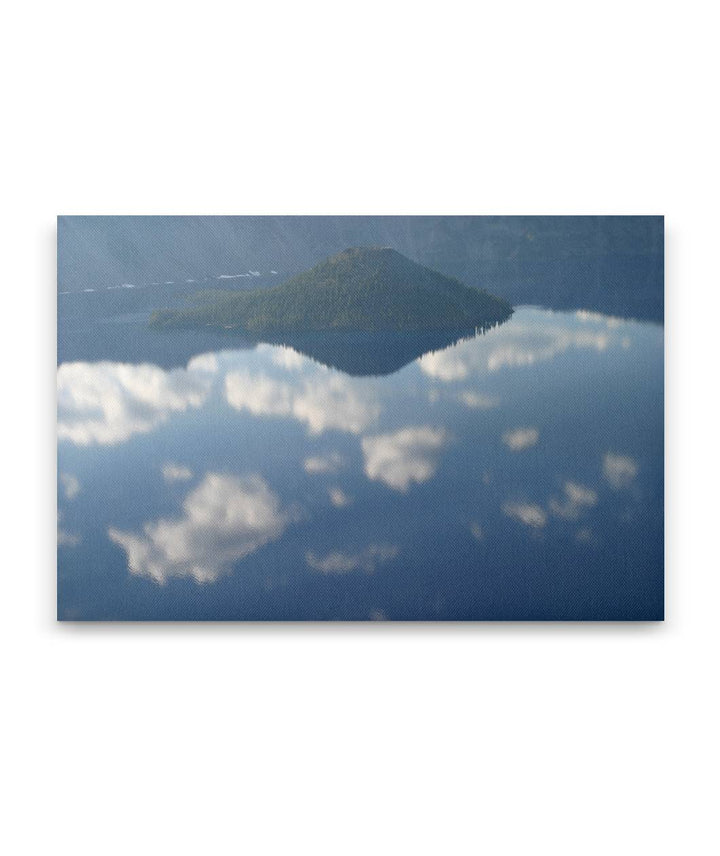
(362, 289)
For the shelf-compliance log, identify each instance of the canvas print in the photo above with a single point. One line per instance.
(360, 418)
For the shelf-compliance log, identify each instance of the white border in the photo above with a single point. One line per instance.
(421, 739)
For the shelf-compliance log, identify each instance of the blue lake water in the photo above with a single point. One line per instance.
(514, 475)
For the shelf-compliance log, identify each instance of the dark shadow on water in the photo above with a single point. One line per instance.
(360, 353)
(128, 339)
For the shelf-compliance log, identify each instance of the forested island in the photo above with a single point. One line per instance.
(361, 289)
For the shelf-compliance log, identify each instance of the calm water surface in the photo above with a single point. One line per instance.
(515, 475)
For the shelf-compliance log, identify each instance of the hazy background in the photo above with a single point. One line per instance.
(609, 264)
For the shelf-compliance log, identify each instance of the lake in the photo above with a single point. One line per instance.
(516, 474)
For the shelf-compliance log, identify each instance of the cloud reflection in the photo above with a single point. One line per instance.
(285, 357)
(329, 463)
(406, 456)
(107, 403)
(338, 497)
(70, 485)
(338, 562)
(476, 531)
(477, 400)
(322, 402)
(530, 514)
(520, 438)
(175, 472)
(619, 470)
(577, 499)
(65, 538)
(539, 339)
(225, 518)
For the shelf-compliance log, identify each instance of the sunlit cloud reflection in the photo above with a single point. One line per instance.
(530, 514)
(516, 345)
(224, 519)
(406, 456)
(477, 400)
(318, 464)
(577, 499)
(619, 470)
(107, 403)
(520, 438)
(70, 485)
(323, 402)
(476, 531)
(339, 562)
(176, 473)
(65, 538)
(338, 497)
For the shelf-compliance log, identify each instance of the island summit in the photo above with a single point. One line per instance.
(363, 289)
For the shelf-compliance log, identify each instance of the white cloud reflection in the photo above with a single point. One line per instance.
(225, 518)
(65, 538)
(318, 464)
(577, 499)
(538, 338)
(70, 485)
(476, 531)
(585, 535)
(107, 403)
(338, 497)
(338, 562)
(478, 400)
(520, 438)
(406, 456)
(619, 470)
(612, 322)
(285, 357)
(323, 401)
(176, 472)
(530, 514)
